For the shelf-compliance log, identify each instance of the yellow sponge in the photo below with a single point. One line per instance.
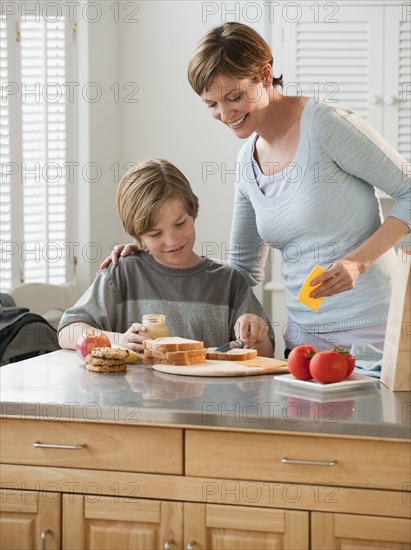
(305, 291)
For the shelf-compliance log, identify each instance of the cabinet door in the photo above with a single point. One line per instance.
(29, 519)
(356, 56)
(120, 523)
(397, 76)
(335, 53)
(222, 527)
(335, 531)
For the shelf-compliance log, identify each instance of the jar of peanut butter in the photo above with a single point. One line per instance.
(156, 326)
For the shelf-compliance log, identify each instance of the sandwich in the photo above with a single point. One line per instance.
(173, 350)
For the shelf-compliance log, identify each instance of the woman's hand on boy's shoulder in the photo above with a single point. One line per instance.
(119, 250)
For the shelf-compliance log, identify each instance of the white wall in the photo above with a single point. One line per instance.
(98, 52)
(170, 120)
(146, 53)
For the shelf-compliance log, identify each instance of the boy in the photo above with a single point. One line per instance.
(201, 299)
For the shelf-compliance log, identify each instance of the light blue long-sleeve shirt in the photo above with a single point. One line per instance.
(329, 209)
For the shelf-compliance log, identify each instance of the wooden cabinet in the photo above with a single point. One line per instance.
(216, 527)
(334, 531)
(89, 445)
(29, 520)
(111, 523)
(298, 459)
(208, 489)
(122, 523)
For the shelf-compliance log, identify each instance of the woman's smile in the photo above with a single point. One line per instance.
(237, 123)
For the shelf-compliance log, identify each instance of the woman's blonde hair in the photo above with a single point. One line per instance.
(235, 50)
(143, 191)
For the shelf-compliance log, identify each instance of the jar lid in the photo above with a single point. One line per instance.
(158, 318)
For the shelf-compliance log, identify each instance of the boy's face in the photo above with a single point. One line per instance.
(171, 239)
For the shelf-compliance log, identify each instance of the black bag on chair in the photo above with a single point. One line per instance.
(23, 334)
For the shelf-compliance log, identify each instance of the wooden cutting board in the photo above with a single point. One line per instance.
(260, 365)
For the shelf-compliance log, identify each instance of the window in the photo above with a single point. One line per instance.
(37, 129)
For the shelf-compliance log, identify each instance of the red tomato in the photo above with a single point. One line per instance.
(299, 361)
(350, 359)
(328, 366)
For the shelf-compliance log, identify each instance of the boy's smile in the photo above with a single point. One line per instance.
(171, 240)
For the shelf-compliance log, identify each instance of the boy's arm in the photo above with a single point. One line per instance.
(69, 334)
(132, 339)
(253, 331)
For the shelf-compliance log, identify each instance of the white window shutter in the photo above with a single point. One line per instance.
(10, 233)
(404, 92)
(5, 215)
(336, 58)
(36, 218)
(44, 149)
(361, 60)
(397, 83)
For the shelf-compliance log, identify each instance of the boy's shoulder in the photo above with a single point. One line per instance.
(126, 265)
(227, 270)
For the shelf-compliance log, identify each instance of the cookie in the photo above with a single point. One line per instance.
(102, 361)
(110, 353)
(106, 369)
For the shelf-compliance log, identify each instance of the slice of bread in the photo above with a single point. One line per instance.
(172, 343)
(176, 355)
(235, 354)
(181, 361)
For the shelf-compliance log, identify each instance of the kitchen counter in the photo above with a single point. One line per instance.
(150, 460)
(57, 386)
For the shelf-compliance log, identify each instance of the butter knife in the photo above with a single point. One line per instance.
(230, 345)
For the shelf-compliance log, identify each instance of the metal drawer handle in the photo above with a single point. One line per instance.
(43, 538)
(57, 446)
(191, 544)
(169, 544)
(309, 462)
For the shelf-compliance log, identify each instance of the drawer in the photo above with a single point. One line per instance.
(94, 445)
(310, 459)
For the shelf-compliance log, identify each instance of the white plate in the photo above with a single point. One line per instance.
(353, 381)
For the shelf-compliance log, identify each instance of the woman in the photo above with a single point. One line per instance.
(305, 185)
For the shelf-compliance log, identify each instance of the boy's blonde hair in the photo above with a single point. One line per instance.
(143, 190)
(235, 50)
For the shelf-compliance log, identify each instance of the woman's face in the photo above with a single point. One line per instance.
(236, 103)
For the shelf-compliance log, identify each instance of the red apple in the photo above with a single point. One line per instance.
(90, 339)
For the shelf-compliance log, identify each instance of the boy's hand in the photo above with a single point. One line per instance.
(119, 250)
(134, 337)
(251, 330)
